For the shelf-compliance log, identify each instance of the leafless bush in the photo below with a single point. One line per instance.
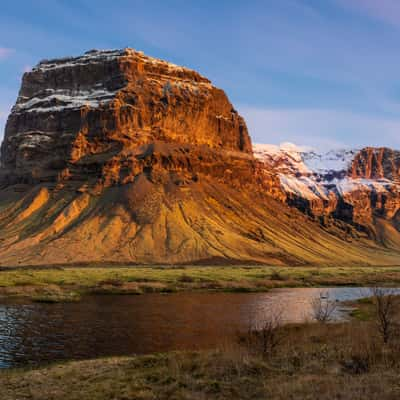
(264, 336)
(323, 308)
(356, 365)
(384, 311)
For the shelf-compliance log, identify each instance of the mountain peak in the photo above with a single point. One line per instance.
(80, 112)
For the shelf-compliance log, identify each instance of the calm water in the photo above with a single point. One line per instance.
(122, 325)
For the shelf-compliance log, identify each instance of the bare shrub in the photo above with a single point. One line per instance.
(264, 336)
(356, 365)
(384, 302)
(323, 308)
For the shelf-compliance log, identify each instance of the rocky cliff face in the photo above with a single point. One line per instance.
(100, 113)
(116, 156)
(358, 187)
(376, 163)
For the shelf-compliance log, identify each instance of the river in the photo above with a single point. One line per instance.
(111, 325)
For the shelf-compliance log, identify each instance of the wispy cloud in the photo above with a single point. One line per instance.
(3, 116)
(5, 52)
(387, 11)
(4, 112)
(320, 128)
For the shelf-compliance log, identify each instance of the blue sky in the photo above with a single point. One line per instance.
(322, 73)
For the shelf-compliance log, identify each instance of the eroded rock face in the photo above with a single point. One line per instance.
(354, 186)
(376, 163)
(94, 114)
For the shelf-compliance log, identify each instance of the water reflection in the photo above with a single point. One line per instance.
(122, 325)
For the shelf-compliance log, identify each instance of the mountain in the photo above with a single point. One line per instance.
(114, 156)
(358, 186)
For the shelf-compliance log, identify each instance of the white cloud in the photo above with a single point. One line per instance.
(2, 125)
(3, 120)
(5, 52)
(320, 128)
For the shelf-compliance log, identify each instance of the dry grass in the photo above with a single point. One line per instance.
(137, 280)
(312, 361)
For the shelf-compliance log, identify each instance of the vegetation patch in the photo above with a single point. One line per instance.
(59, 281)
(57, 298)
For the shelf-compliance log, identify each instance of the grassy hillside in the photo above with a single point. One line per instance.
(200, 222)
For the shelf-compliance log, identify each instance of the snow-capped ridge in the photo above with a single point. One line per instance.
(304, 159)
(312, 174)
(96, 56)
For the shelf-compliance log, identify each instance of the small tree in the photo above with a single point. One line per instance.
(384, 310)
(323, 308)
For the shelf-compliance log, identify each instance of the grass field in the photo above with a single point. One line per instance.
(344, 361)
(67, 284)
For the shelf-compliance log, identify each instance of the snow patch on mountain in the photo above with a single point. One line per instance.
(96, 56)
(52, 101)
(331, 161)
(309, 174)
(305, 160)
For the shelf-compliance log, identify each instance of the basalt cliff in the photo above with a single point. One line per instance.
(114, 156)
(357, 187)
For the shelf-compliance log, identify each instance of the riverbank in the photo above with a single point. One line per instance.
(310, 361)
(59, 284)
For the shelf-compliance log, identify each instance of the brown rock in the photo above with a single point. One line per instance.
(77, 116)
(376, 163)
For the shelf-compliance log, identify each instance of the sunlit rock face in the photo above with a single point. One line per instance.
(357, 186)
(99, 113)
(376, 163)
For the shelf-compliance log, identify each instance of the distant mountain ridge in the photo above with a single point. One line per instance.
(358, 186)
